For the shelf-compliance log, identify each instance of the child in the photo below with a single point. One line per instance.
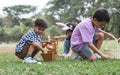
(68, 27)
(30, 44)
(82, 36)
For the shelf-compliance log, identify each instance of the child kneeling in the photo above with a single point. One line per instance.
(84, 34)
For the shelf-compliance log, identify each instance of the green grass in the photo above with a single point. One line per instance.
(11, 65)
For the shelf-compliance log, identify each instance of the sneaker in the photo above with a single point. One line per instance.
(61, 55)
(29, 60)
(36, 59)
(97, 55)
(74, 55)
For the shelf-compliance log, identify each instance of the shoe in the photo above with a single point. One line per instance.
(36, 59)
(97, 55)
(29, 60)
(61, 55)
(74, 55)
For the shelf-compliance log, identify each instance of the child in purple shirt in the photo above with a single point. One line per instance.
(82, 36)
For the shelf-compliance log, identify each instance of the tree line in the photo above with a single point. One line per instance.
(13, 26)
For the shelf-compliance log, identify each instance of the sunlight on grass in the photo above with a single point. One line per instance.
(11, 65)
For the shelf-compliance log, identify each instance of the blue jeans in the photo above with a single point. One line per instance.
(66, 45)
(85, 51)
(94, 41)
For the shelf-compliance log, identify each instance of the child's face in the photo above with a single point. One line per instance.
(69, 33)
(39, 30)
(99, 24)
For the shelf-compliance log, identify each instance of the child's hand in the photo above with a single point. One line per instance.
(56, 37)
(111, 36)
(67, 56)
(44, 52)
(50, 40)
(105, 56)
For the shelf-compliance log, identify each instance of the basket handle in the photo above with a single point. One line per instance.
(116, 42)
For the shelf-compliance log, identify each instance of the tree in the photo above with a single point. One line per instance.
(18, 11)
(75, 11)
(65, 10)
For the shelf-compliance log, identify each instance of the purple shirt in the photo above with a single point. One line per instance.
(83, 33)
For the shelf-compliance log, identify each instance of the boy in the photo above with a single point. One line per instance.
(30, 44)
(82, 36)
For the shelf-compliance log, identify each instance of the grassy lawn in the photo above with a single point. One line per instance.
(11, 65)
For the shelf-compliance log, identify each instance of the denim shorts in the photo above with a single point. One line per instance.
(85, 51)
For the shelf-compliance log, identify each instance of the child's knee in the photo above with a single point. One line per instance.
(92, 58)
(101, 35)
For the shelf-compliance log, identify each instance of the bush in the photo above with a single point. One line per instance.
(15, 33)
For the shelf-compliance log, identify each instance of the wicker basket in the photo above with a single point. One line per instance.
(51, 53)
(113, 52)
(49, 56)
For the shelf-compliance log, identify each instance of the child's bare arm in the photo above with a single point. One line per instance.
(60, 37)
(92, 46)
(60, 24)
(111, 36)
(38, 45)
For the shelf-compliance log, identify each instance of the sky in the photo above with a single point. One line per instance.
(5, 3)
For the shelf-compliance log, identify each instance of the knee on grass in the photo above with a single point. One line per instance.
(92, 58)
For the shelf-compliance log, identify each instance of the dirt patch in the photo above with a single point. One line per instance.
(7, 49)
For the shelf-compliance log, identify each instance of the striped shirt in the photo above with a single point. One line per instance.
(29, 37)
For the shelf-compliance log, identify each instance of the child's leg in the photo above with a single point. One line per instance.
(66, 45)
(24, 52)
(99, 39)
(86, 53)
(69, 54)
(35, 52)
(74, 55)
(28, 51)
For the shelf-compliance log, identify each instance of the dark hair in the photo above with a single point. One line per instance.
(41, 23)
(69, 24)
(102, 15)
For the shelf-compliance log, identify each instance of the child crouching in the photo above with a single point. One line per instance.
(30, 43)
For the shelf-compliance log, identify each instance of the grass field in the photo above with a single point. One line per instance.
(11, 65)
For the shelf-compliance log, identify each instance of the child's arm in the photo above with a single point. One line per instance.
(38, 45)
(60, 37)
(92, 46)
(60, 24)
(111, 36)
